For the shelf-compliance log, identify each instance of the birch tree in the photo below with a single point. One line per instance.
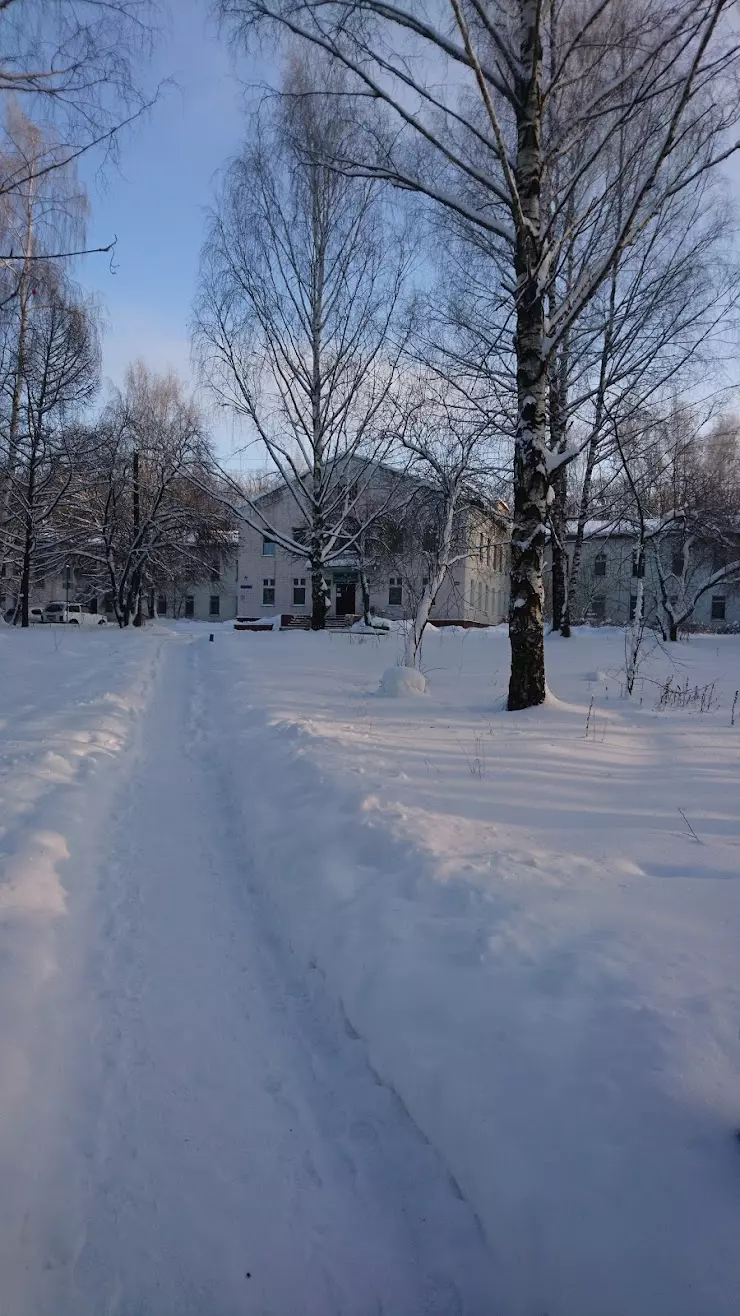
(74, 64)
(296, 322)
(61, 375)
(664, 68)
(439, 537)
(45, 211)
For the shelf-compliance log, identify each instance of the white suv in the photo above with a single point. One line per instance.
(72, 613)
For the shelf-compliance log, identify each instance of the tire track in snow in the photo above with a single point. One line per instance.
(232, 1151)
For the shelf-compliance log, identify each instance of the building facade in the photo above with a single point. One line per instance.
(608, 579)
(273, 580)
(214, 599)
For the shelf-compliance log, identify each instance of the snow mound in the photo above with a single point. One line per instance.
(375, 625)
(399, 681)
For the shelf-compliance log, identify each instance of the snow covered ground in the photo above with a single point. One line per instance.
(314, 1000)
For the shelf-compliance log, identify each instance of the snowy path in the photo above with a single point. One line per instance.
(213, 1140)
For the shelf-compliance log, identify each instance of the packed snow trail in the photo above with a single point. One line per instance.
(214, 1141)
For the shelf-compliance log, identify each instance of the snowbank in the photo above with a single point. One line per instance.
(69, 701)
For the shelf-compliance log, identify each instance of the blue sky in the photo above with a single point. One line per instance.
(155, 201)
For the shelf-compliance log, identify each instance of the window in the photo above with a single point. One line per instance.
(214, 605)
(189, 606)
(215, 570)
(638, 565)
(677, 564)
(299, 533)
(299, 591)
(268, 547)
(472, 593)
(633, 606)
(488, 552)
(395, 592)
(718, 607)
(486, 608)
(429, 540)
(268, 592)
(600, 564)
(161, 605)
(481, 543)
(598, 607)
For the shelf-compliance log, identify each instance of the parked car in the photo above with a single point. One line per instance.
(72, 613)
(35, 615)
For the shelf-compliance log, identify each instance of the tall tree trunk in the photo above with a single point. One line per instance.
(419, 621)
(28, 539)
(527, 685)
(135, 606)
(25, 292)
(583, 511)
(558, 532)
(319, 602)
(365, 591)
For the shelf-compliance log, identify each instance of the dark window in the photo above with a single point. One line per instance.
(600, 564)
(638, 565)
(300, 534)
(598, 607)
(214, 605)
(215, 570)
(429, 540)
(161, 605)
(268, 547)
(633, 606)
(299, 591)
(718, 607)
(189, 606)
(268, 592)
(677, 564)
(395, 591)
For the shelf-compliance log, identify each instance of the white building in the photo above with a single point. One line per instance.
(272, 580)
(608, 579)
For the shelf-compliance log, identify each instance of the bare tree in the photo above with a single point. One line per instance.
(691, 485)
(468, 83)
(137, 519)
(73, 63)
(449, 446)
(61, 373)
(299, 298)
(46, 209)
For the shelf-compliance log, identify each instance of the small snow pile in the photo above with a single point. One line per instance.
(399, 681)
(261, 623)
(376, 624)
